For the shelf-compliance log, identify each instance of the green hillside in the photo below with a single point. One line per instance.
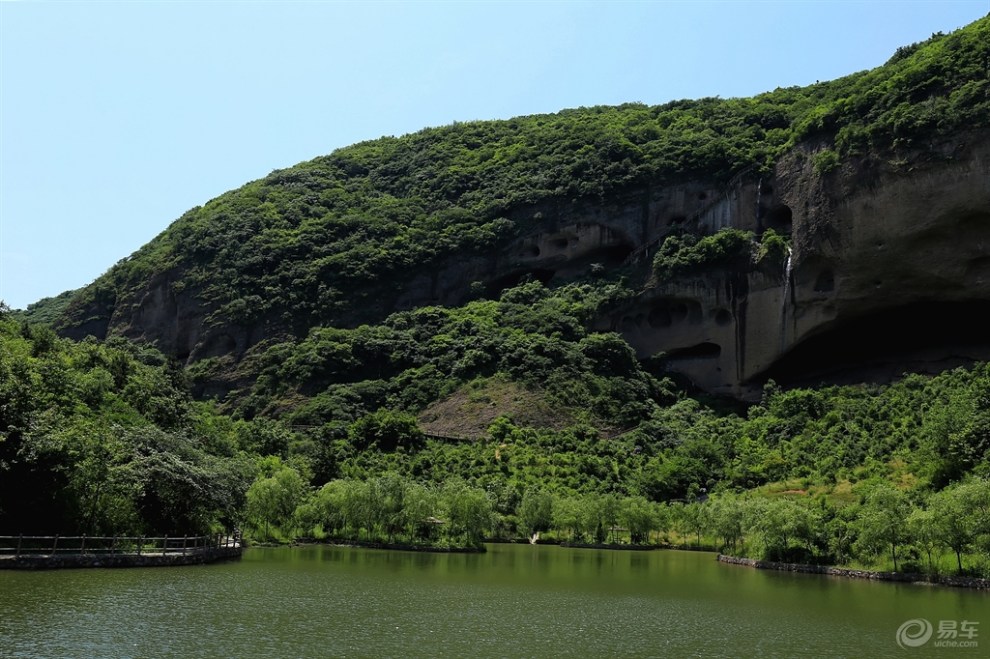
(335, 240)
(335, 407)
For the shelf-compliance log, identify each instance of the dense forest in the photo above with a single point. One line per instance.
(104, 438)
(507, 414)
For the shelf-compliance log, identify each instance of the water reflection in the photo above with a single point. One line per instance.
(514, 600)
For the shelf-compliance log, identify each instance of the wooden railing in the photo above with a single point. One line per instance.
(448, 438)
(17, 545)
(427, 435)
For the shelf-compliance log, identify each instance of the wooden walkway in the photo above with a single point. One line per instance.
(57, 551)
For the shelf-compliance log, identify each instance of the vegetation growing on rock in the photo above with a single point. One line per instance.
(317, 429)
(333, 241)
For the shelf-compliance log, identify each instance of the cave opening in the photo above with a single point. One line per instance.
(667, 312)
(825, 282)
(660, 317)
(704, 350)
(780, 218)
(613, 255)
(920, 337)
(530, 252)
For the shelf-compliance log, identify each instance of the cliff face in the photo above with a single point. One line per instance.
(884, 200)
(896, 255)
(890, 271)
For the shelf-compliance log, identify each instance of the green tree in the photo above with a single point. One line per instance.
(924, 526)
(273, 500)
(883, 521)
(386, 430)
(469, 512)
(421, 507)
(567, 516)
(779, 522)
(691, 519)
(595, 517)
(840, 533)
(535, 512)
(391, 492)
(726, 514)
(960, 515)
(640, 517)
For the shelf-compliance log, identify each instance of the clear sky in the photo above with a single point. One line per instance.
(116, 117)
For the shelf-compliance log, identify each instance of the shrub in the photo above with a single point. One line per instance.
(825, 161)
(686, 254)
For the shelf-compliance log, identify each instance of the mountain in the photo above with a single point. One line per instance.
(860, 209)
(574, 323)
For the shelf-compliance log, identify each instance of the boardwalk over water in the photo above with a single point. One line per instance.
(50, 552)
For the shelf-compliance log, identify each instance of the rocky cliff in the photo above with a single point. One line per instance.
(890, 272)
(879, 181)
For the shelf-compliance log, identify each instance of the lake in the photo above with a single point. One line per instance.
(514, 600)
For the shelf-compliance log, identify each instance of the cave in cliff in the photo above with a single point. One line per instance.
(920, 337)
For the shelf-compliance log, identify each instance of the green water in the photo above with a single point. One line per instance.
(514, 600)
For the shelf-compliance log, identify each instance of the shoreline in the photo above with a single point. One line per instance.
(370, 544)
(618, 546)
(975, 583)
(628, 547)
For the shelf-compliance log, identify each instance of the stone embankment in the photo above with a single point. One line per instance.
(610, 545)
(904, 577)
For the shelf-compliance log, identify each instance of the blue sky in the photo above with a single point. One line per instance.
(116, 117)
